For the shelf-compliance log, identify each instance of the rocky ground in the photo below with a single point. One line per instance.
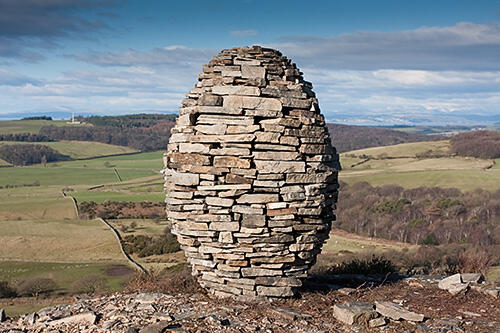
(407, 305)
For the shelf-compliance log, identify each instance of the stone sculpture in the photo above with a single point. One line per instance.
(251, 175)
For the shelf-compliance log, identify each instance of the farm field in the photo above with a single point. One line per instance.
(62, 250)
(30, 126)
(58, 241)
(401, 164)
(35, 205)
(411, 149)
(67, 174)
(80, 149)
(114, 275)
(44, 238)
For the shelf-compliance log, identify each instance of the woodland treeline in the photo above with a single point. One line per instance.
(144, 132)
(348, 137)
(134, 120)
(25, 137)
(27, 154)
(143, 139)
(480, 144)
(424, 215)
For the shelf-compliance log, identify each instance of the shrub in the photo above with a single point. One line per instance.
(374, 265)
(89, 284)
(177, 280)
(474, 260)
(146, 246)
(393, 206)
(6, 291)
(429, 240)
(36, 286)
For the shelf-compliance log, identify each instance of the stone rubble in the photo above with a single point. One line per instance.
(373, 315)
(385, 311)
(251, 175)
(354, 313)
(396, 312)
(460, 283)
(155, 313)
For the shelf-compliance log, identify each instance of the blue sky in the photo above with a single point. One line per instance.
(371, 62)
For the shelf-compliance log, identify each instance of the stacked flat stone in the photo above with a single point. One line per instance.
(251, 176)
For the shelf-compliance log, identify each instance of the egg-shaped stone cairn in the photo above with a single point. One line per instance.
(251, 175)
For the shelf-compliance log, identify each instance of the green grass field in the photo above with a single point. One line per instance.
(399, 165)
(115, 276)
(411, 149)
(465, 180)
(62, 273)
(150, 160)
(30, 126)
(79, 149)
(71, 241)
(67, 176)
(28, 207)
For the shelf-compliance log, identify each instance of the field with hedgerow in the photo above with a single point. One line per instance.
(426, 206)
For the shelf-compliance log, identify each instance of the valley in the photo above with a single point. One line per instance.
(46, 237)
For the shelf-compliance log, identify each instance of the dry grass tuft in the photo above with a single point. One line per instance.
(178, 281)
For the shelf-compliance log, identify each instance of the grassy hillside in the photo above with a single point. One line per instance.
(88, 180)
(4, 163)
(419, 164)
(30, 203)
(412, 149)
(58, 241)
(348, 137)
(80, 149)
(29, 126)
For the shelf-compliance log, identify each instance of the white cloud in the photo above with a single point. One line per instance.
(244, 33)
(464, 46)
(176, 55)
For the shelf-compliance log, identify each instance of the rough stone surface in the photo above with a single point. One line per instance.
(82, 318)
(471, 277)
(458, 288)
(254, 125)
(397, 312)
(449, 281)
(377, 322)
(354, 313)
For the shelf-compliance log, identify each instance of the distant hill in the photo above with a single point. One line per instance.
(481, 144)
(348, 137)
(150, 132)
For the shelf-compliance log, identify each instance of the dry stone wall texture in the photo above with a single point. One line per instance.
(251, 175)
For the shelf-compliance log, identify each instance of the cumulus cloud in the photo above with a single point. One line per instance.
(464, 46)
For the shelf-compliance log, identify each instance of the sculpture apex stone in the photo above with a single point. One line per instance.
(251, 175)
